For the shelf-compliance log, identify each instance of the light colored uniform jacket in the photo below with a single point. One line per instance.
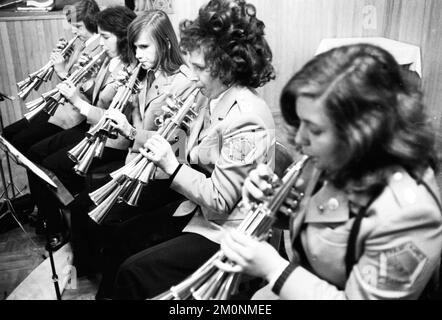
(399, 245)
(240, 134)
(148, 105)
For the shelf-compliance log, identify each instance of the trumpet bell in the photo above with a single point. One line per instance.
(101, 211)
(84, 164)
(30, 115)
(34, 104)
(132, 196)
(22, 84)
(25, 92)
(77, 153)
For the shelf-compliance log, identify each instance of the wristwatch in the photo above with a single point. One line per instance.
(132, 134)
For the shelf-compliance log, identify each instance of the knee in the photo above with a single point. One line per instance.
(133, 280)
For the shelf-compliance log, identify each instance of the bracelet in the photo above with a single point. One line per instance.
(175, 172)
(283, 278)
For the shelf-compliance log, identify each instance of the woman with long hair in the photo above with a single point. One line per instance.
(155, 46)
(230, 58)
(373, 228)
(51, 152)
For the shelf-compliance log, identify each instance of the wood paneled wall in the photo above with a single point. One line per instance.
(295, 28)
(26, 43)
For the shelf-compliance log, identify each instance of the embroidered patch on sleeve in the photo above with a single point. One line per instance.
(394, 269)
(239, 149)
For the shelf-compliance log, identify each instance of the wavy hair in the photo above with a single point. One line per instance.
(377, 116)
(116, 20)
(86, 11)
(160, 28)
(232, 39)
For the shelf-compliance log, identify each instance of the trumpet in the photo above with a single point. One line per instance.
(50, 101)
(127, 182)
(290, 197)
(92, 146)
(35, 79)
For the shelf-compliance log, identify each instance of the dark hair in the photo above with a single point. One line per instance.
(378, 118)
(86, 11)
(157, 22)
(233, 42)
(117, 20)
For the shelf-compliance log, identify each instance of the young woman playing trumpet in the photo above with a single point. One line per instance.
(155, 45)
(51, 153)
(230, 57)
(373, 229)
(25, 133)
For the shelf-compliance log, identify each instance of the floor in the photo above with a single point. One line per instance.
(19, 256)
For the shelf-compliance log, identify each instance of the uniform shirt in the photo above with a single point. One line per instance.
(398, 247)
(240, 134)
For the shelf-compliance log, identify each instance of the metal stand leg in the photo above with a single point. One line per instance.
(51, 259)
(10, 209)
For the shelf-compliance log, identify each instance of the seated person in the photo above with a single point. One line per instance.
(230, 58)
(25, 133)
(51, 153)
(373, 228)
(155, 45)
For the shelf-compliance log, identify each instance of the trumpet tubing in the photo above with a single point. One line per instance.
(103, 130)
(209, 282)
(99, 213)
(130, 179)
(44, 74)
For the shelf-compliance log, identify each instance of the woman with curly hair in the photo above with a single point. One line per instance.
(230, 57)
(373, 229)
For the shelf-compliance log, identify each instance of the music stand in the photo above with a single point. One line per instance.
(26, 163)
(11, 184)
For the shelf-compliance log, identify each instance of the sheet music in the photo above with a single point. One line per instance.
(22, 160)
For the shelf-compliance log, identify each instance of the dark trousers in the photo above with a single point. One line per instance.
(22, 134)
(124, 231)
(155, 270)
(51, 153)
(52, 146)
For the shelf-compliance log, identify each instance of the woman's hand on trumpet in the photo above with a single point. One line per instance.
(58, 60)
(70, 91)
(254, 257)
(259, 184)
(161, 154)
(119, 122)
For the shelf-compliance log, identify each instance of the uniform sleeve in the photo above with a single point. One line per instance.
(400, 257)
(241, 147)
(181, 87)
(398, 260)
